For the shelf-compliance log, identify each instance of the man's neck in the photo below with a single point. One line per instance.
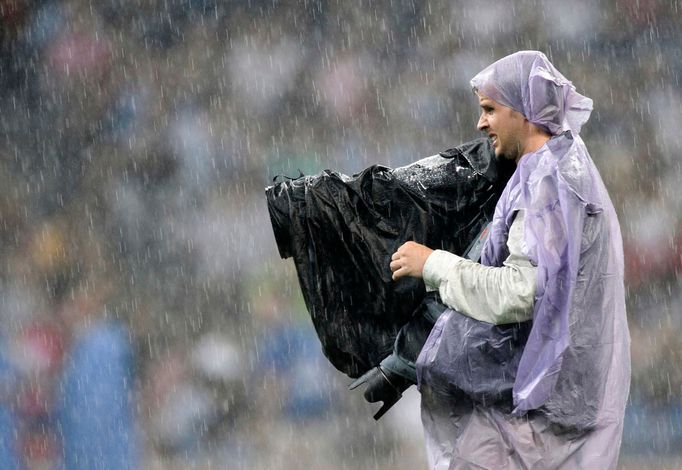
(533, 144)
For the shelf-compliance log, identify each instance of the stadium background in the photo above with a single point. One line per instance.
(137, 138)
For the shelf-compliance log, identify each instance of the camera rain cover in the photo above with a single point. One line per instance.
(342, 230)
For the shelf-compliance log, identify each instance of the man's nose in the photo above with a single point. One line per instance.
(482, 123)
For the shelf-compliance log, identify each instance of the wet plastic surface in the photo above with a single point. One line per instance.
(341, 232)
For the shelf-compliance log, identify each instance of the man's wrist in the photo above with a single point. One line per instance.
(437, 266)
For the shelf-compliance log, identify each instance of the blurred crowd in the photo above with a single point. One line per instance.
(146, 320)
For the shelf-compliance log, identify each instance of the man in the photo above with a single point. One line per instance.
(554, 255)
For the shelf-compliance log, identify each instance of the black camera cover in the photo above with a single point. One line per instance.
(341, 232)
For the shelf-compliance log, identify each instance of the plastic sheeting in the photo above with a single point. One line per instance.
(573, 377)
(341, 232)
(474, 358)
(464, 435)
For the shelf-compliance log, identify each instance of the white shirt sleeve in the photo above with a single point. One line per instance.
(496, 295)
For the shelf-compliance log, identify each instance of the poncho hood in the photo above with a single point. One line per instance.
(527, 82)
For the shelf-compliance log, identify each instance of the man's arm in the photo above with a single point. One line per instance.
(496, 295)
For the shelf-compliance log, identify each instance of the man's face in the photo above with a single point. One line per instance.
(505, 127)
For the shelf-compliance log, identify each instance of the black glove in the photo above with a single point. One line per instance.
(382, 385)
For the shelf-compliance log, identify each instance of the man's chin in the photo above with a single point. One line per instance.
(501, 156)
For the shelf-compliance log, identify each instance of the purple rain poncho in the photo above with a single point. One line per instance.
(574, 372)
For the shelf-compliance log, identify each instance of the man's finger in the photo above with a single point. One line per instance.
(395, 255)
(397, 274)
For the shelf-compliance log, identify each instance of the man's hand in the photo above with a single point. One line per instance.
(409, 260)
